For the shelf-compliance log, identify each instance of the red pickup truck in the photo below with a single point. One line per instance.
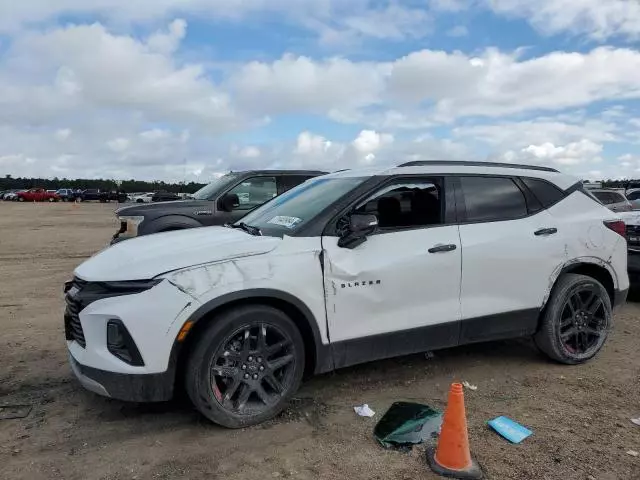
(37, 195)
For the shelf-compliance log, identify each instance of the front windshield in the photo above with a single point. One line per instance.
(287, 213)
(208, 192)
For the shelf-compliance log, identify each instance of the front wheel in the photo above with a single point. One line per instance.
(576, 321)
(246, 366)
(20, 199)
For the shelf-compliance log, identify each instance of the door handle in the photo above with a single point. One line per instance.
(442, 248)
(545, 231)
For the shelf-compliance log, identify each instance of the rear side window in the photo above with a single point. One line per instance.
(546, 193)
(290, 181)
(492, 198)
(607, 198)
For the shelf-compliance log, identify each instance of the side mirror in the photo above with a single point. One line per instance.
(360, 225)
(228, 202)
(363, 223)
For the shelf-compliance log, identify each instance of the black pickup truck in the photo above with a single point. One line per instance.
(226, 200)
(102, 196)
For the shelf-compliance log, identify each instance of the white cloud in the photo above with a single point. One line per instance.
(154, 134)
(249, 152)
(571, 154)
(85, 69)
(596, 18)
(118, 145)
(369, 141)
(170, 41)
(308, 143)
(63, 133)
(331, 20)
(557, 130)
(458, 31)
(500, 84)
(302, 84)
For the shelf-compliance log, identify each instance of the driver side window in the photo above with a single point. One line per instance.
(406, 203)
(254, 191)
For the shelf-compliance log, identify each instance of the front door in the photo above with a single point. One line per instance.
(398, 292)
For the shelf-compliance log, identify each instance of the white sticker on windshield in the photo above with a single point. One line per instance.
(284, 221)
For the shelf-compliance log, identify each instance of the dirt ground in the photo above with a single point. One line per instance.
(580, 415)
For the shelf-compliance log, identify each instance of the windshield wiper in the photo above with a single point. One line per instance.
(250, 229)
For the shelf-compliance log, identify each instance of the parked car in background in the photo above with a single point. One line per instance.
(11, 195)
(347, 268)
(612, 199)
(143, 198)
(67, 194)
(225, 200)
(93, 194)
(165, 197)
(90, 194)
(37, 195)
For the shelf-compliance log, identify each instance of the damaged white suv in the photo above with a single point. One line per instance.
(346, 268)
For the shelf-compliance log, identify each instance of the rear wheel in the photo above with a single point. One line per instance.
(246, 366)
(577, 320)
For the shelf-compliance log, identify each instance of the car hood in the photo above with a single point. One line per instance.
(151, 255)
(140, 209)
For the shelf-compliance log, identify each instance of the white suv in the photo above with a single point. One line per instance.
(346, 268)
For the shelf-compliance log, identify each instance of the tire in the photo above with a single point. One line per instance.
(51, 200)
(20, 199)
(65, 199)
(245, 369)
(139, 200)
(575, 324)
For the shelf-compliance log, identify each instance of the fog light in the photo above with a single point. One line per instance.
(121, 345)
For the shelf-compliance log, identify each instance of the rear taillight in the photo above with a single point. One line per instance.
(617, 226)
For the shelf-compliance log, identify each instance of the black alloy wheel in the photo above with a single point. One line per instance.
(583, 319)
(253, 369)
(576, 321)
(246, 365)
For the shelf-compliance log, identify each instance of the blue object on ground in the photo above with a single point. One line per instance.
(512, 431)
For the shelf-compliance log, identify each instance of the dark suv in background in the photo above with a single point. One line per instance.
(225, 200)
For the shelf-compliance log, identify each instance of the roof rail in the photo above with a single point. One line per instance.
(464, 163)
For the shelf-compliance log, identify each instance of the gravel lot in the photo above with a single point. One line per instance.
(580, 415)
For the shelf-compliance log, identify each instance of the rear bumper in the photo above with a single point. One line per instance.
(151, 387)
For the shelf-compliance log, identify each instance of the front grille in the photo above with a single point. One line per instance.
(72, 325)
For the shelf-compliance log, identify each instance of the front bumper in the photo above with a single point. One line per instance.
(151, 320)
(151, 387)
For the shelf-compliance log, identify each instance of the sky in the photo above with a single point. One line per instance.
(186, 89)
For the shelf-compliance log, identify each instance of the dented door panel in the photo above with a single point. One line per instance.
(392, 283)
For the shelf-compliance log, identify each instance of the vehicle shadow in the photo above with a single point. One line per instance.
(634, 294)
(318, 393)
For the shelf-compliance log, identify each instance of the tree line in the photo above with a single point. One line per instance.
(128, 186)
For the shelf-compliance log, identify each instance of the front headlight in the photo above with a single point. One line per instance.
(132, 224)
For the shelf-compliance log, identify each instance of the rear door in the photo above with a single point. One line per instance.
(511, 247)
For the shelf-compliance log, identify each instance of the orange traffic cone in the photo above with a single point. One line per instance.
(452, 457)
